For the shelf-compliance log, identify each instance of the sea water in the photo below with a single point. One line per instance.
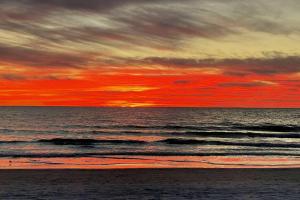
(93, 137)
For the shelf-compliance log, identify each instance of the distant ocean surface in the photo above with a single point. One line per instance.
(137, 136)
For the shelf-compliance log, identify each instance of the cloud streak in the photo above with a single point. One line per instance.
(91, 5)
(36, 58)
(255, 83)
(268, 65)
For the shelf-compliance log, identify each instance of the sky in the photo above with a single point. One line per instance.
(150, 53)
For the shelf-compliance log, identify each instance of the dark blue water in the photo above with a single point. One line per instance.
(35, 132)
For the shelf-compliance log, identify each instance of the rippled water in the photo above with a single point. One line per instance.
(61, 132)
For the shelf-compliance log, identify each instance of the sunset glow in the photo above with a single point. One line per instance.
(166, 53)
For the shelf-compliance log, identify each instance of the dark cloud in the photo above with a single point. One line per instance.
(247, 84)
(20, 77)
(264, 65)
(38, 58)
(158, 26)
(12, 77)
(164, 24)
(182, 82)
(162, 19)
(90, 5)
(171, 24)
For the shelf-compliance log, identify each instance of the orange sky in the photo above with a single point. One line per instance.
(131, 90)
(147, 53)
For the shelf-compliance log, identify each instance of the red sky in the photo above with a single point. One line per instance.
(148, 53)
(126, 89)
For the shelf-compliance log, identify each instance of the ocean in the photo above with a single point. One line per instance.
(92, 137)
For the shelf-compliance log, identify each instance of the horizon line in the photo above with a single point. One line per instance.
(198, 107)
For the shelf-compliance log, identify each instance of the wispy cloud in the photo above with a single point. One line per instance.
(255, 83)
(125, 88)
(268, 65)
(39, 58)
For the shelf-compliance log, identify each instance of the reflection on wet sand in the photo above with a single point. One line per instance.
(127, 162)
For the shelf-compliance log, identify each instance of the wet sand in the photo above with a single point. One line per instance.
(150, 162)
(151, 184)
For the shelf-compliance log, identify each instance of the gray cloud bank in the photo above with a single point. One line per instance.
(269, 65)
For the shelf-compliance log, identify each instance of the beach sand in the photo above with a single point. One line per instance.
(151, 184)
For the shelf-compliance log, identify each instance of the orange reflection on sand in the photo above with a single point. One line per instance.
(126, 162)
